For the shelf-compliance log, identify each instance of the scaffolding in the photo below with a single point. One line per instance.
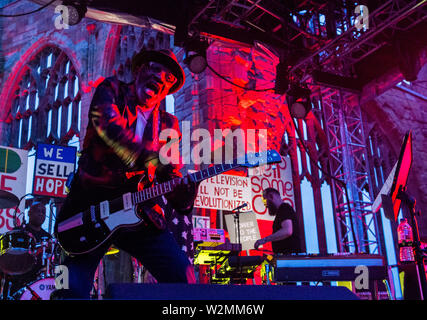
(357, 227)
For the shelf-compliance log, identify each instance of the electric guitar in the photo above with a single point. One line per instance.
(87, 230)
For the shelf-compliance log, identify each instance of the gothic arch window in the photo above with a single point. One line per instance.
(46, 103)
(312, 187)
(382, 159)
(381, 156)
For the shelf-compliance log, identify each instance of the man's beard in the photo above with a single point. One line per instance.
(272, 210)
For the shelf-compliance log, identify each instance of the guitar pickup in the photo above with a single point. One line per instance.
(104, 209)
(127, 201)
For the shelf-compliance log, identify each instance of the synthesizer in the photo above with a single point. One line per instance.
(336, 267)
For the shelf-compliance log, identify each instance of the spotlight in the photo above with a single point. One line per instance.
(196, 62)
(76, 11)
(299, 101)
(195, 49)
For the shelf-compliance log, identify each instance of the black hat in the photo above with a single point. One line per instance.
(165, 57)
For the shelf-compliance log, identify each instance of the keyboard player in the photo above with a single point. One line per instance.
(285, 237)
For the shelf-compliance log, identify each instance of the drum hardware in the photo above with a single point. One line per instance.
(47, 252)
(8, 200)
(17, 254)
(45, 255)
(5, 284)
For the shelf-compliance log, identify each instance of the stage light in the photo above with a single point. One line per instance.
(196, 62)
(195, 50)
(299, 101)
(76, 11)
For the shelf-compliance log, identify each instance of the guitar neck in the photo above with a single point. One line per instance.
(166, 187)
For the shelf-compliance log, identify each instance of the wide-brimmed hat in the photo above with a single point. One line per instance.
(165, 57)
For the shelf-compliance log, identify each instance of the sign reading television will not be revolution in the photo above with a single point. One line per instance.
(53, 165)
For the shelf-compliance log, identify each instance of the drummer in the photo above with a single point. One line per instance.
(36, 218)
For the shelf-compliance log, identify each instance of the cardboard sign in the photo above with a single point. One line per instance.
(201, 222)
(249, 231)
(52, 167)
(277, 176)
(224, 192)
(13, 179)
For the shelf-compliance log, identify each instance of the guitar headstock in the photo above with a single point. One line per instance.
(256, 159)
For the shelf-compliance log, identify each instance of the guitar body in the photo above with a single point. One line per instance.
(90, 228)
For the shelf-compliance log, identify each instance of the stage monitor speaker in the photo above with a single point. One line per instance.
(131, 291)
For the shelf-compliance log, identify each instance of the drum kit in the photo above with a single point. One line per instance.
(27, 266)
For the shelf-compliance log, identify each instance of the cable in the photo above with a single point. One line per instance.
(15, 217)
(27, 13)
(344, 185)
(235, 84)
(8, 5)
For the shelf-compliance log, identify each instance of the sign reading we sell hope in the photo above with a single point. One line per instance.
(52, 167)
(13, 180)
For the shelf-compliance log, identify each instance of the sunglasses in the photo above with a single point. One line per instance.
(158, 68)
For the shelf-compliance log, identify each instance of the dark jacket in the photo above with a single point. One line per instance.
(112, 161)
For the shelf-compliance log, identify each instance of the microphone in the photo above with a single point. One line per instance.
(240, 207)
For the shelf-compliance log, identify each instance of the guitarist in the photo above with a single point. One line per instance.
(121, 154)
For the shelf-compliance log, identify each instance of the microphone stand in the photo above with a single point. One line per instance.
(409, 202)
(236, 215)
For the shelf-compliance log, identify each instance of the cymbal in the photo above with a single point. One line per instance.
(8, 200)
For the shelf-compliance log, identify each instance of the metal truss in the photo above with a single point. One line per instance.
(356, 225)
(295, 25)
(352, 45)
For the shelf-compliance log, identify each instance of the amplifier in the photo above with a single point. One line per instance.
(328, 268)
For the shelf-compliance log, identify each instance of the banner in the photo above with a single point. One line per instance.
(201, 222)
(277, 176)
(52, 167)
(224, 192)
(13, 180)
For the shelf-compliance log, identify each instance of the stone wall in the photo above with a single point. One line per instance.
(395, 112)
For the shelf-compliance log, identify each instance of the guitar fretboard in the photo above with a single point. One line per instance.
(166, 187)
